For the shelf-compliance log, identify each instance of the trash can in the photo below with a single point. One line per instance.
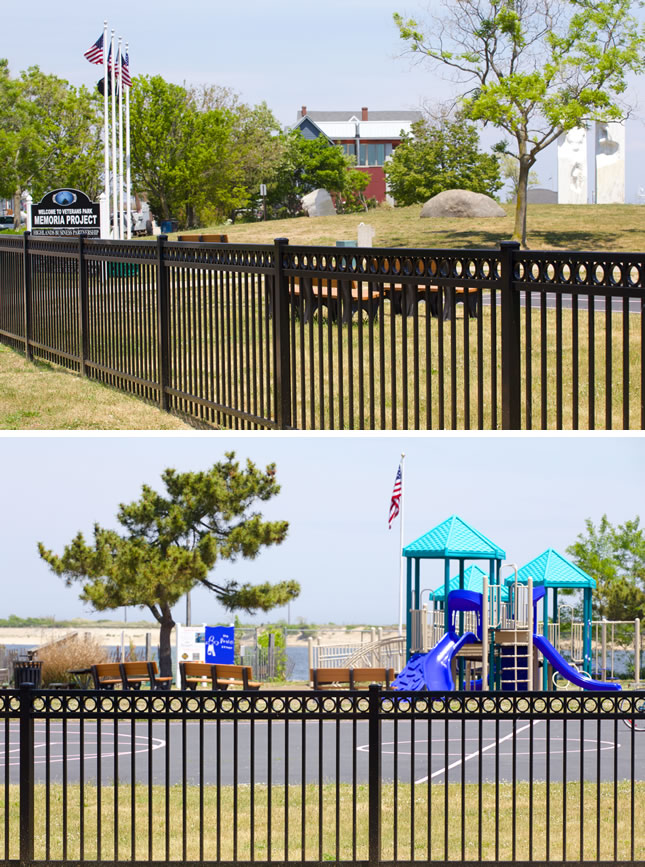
(27, 672)
(122, 269)
(168, 226)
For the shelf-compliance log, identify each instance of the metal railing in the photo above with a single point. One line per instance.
(282, 336)
(349, 777)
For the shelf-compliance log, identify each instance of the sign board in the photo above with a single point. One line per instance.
(263, 190)
(220, 644)
(190, 643)
(66, 213)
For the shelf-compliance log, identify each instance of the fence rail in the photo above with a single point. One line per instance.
(300, 777)
(281, 336)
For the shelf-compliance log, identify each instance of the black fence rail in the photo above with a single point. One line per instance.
(301, 777)
(281, 336)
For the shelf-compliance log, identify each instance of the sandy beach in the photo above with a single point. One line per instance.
(112, 636)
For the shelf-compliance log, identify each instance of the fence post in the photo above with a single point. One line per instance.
(374, 775)
(281, 376)
(511, 357)
(163, 324)
(26, 775)
(83, 340)
(27, 293)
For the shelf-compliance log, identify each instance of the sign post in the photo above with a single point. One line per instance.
(66, 213)
(263, 193)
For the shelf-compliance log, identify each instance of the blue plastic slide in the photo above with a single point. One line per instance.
(437, 669)
(568, 671)
(433, 670)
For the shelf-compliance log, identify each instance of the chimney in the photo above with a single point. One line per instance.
(364, 113)
(303, 111)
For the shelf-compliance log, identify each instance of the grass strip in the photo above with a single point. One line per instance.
(245, 817)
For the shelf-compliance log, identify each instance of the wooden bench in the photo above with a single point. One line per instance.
(332, 678)
(128, 675)
(135, 673)
(219, 676)
(206, 239)
(106, 675)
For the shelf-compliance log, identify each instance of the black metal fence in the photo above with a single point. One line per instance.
(302, 777)
(281, 336)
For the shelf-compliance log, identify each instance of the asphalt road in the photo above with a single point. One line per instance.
(416, 752)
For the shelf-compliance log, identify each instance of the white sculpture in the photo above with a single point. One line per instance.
(572, 167)
(610, 163)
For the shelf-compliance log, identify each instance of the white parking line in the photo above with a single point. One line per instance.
(477, 753)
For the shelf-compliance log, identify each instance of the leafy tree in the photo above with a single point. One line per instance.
(307, 165)
(534, 68)
(511, 172)
(353, 197)
(433, 158)
(182, 157)
(170, 542)
(279, 649)
(50, 135)
(615, 557)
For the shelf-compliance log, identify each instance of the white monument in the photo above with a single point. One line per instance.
(610, 163)
(572, 167)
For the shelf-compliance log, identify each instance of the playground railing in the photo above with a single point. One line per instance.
(616, 647)
(278, 777)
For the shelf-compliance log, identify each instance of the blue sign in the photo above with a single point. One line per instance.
(220, 644)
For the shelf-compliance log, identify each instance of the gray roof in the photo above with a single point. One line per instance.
(372, 115)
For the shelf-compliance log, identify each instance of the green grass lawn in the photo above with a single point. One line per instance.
(612, 228)
(41, 396)
(236, 819)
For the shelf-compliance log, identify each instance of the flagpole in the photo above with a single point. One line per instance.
(401, 557)
(115, 229)
(120, 80)
(106, 125)
(128, 177)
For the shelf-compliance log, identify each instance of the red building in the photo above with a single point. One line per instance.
(370, 136)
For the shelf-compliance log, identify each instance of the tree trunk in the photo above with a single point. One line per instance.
(16, 209)
(519, 230)
(165, 630)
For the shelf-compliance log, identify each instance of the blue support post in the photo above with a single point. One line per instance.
(586, 630)
(545, 632)
(408, 615)
(461, 626)
(446, 590)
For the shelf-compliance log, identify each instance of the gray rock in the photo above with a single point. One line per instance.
(461, 203)
(318, 204)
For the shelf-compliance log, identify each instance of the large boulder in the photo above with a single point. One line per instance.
(461, 203)
(318, 204)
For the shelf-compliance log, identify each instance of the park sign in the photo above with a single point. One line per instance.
(66, 213)
(220, 644)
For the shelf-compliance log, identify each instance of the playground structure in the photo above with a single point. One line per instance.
(492, 636)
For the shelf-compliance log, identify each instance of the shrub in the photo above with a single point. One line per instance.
(71, 652)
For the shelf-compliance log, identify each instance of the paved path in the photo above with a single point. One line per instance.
(420, 752)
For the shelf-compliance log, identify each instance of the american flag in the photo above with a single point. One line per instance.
(125, 70)
(395, 503)
(95, 53)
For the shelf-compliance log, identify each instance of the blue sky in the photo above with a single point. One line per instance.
(526, 493)
(340, 54)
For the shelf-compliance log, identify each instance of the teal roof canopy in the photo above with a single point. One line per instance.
(473, 580)
(454, 538)
(551, 569)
